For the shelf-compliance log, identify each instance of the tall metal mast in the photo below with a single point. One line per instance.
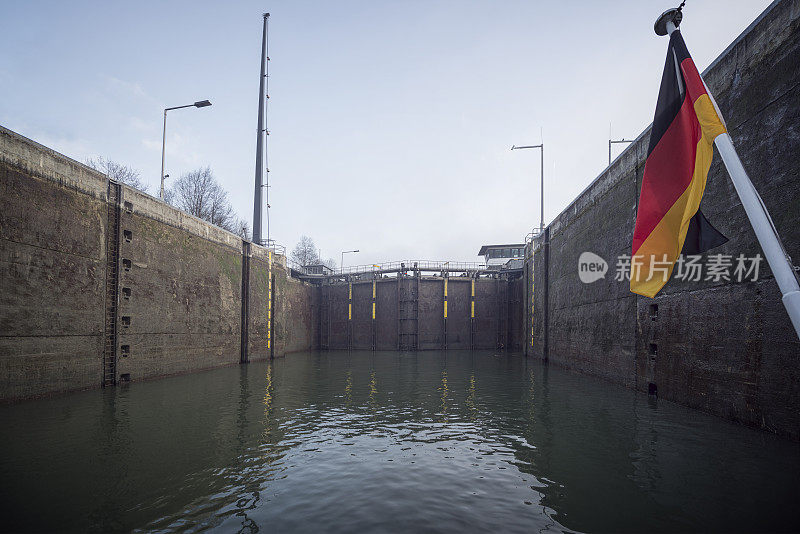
(260, 140)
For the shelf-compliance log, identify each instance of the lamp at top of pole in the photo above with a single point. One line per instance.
(674, 15)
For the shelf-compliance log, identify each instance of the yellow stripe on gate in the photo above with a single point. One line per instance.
(269, 300)
(445, 297)
(472, 300)
(533, 294)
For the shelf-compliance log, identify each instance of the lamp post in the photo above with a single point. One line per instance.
(198, 104)
(541, 146)
(341, 267)
(610, 142)
(261, 140)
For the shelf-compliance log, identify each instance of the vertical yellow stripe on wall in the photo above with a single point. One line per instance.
(350, 302)
(472, 303)
(269, 299)
(532, 293)
(445, 297)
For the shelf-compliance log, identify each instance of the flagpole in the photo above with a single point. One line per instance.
(757, 213)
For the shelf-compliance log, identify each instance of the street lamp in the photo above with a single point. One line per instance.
(541, 146)
(341, 268)
(198, 104)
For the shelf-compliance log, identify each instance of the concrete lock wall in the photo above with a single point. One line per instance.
(180, 282)
(725, 347)
(409, 314)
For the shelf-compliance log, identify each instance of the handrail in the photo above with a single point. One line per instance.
(533, 234)
(415, 265)
(270, 244)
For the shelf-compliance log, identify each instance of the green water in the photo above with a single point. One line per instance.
(388, 442)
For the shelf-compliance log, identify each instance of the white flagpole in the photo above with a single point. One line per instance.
(765, 232)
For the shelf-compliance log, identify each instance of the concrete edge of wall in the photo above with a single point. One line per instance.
(22, 153)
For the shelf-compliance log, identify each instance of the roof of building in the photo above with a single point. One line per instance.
(484, 248)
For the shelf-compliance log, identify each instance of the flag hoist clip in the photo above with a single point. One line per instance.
(778, 259)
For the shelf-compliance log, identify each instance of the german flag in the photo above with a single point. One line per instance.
(668, 221)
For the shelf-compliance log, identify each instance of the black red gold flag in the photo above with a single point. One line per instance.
(668, 221)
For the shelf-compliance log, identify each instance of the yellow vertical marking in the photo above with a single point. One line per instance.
(269, 299)
(373, 311)
(445, 297)
(350, 302)
(373, 289)
(472, 302)
(532, 294)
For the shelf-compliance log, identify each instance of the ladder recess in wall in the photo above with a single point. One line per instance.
(244, 355)
(407, 311)
(325, 318)
(502, 315)
(112, 284)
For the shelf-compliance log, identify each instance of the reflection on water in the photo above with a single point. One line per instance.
(388, 441)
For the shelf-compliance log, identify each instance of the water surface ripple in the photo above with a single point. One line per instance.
(387, 442)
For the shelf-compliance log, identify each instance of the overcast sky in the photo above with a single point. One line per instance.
(391, 122)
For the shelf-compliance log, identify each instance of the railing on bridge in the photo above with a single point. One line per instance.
(414, 265)
(270, 244)
(533, 234)
(396, 267)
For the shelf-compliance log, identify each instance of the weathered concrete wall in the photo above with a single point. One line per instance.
(296, 313)
(185, 291)
(260, 273)
(52, 270)
(724, 347)
(180, 282)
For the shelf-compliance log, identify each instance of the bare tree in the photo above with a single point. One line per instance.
(305, 252)
(198, 192)
(330, 263)
(117, 172)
